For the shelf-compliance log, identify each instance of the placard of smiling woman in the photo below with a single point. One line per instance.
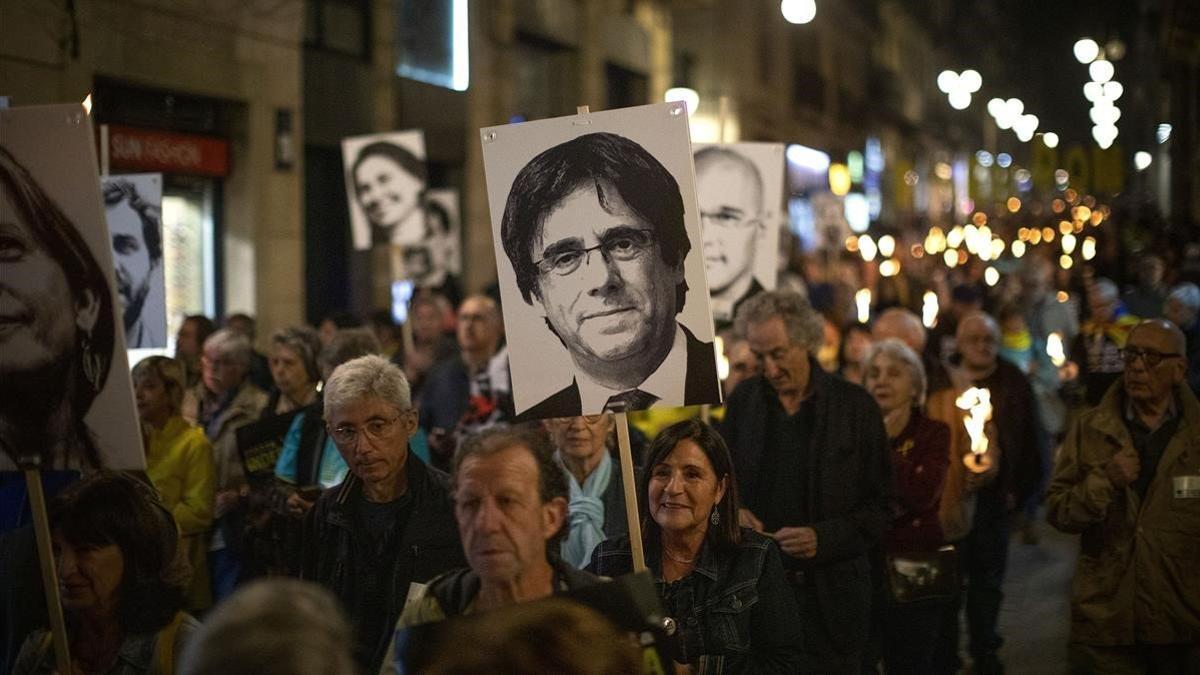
(65, 391)
(385, 185)
(600, 265)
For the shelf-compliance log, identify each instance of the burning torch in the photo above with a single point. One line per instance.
(976, 403)
(1054, 349)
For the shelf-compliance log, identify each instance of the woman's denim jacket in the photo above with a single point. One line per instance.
(735, 612)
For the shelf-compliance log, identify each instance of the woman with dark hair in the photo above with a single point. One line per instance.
(852, 351)
(389, 181)
(56, 346)
(179, 463)
(723, 585)
(122, 581)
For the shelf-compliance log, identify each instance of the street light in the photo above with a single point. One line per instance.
(798, 11)
(1086, 50)
(688, 96)
(1142, 160)
(1050, 139)
(1101, 71)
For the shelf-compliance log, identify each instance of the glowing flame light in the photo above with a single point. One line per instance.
(722, 360)
(867, 247)
(1089, 248)
(1054, 349)
(929, 309)
(977, 404)
(862, 299)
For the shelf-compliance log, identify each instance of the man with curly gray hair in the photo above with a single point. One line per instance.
(391, 522)
(811, 456)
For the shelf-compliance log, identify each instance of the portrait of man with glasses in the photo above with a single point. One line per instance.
(739, 188)
(594, 230)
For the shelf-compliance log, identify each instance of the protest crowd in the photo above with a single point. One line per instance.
(779, 528)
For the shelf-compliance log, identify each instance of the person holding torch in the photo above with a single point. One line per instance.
(1017, 451)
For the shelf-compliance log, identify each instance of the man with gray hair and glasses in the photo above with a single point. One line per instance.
(391, 522)
(811, 456)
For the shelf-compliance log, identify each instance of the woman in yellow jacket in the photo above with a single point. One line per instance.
(179, 463)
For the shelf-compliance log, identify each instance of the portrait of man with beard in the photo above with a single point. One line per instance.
(135, 225)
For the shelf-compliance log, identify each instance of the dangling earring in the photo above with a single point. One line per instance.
(91, 361)
(716, 517)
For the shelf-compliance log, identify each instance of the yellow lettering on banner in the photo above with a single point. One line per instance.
(651, 664)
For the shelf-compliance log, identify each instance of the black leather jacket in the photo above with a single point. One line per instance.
(735, 612)
(429, 546)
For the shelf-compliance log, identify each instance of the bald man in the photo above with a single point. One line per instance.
(730, 191)
(1018, 433)
(473, 383)
(1128, 482)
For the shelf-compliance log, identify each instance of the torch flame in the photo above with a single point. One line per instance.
(977, 403)
(862, 300)
(929, 310)
(1054, 349)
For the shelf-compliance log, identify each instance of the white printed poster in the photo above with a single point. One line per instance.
(598, 248)
(133, 211)
(385, 185)
(66, 394)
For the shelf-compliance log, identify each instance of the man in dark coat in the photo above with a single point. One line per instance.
(811, 458)
(391, 523)
(983, 554)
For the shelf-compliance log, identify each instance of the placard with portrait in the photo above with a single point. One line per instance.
(740, 190)
(65, 390)
(133, 211)
(599, 256)
(385, 186)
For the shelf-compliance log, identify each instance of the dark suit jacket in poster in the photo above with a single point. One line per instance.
(701, 385)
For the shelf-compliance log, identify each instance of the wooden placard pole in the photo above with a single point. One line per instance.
(104, 160)
(41, 528)
(406, 332)
(631, 499)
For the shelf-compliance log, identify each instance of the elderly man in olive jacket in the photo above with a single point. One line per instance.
(1128, 481)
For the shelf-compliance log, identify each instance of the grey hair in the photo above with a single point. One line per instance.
(304, 341)
(348, 344)
(364, 377)
(895, 349)
(804, 325)
(1106, 289)
(232, 345)
(273, 627)
(1188, 294)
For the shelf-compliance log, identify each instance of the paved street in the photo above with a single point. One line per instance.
(1035, 617)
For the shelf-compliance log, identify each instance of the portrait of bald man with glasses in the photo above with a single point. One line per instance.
(738, 186)
(594, 230)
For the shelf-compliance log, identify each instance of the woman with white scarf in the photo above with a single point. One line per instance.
(597, 506)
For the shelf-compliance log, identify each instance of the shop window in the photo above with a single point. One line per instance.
(431, 42)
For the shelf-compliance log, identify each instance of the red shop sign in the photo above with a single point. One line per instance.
(135, 149)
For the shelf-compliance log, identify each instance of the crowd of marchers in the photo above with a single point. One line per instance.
(834, 515)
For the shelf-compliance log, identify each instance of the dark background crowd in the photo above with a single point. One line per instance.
(835, 515)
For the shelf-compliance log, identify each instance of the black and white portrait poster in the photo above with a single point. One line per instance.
(66, 391)
(385, 185)
(437, 257)
(740, 190)
(598, 250)
(133, 211)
